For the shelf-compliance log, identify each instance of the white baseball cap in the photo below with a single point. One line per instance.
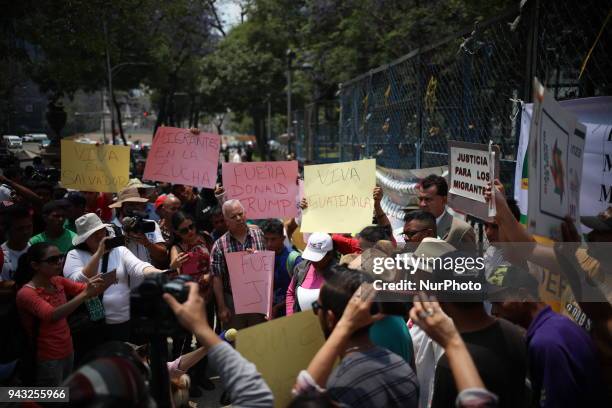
(319, 244)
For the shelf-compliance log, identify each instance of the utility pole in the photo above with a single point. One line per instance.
(110, 82)
(103, 118)
(290, 57)
(269, 120)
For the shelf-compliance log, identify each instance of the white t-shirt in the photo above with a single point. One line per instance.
(139, 250)
(11, 258)
(130, 274)
(305, 297)
(426, 355)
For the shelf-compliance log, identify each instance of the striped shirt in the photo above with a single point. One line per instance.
(374, 377)
(227, 244)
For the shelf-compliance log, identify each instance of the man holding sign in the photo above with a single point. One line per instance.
(239, 237)
(433, 196)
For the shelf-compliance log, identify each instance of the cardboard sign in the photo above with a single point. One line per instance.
(265, 189)
(178, 156)
(556, 148)
(252, 280)
(469, 169)
(89, 167)
(339, 196)
(280, 349)
(596, 183)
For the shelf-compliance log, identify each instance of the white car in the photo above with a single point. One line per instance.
(41, 138)
(85, 140)
(12, 141)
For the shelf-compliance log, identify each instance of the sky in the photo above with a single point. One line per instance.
(230, 11)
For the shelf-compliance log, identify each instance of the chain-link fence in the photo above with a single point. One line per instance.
(316, 130)
(468, 87)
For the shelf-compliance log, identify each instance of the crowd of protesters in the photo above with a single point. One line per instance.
(66, 301)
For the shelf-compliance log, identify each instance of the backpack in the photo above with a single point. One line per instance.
(290, 263)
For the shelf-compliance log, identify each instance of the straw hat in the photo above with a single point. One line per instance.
(85, 226)
(430, 248)
(136, 183)
(128, 195)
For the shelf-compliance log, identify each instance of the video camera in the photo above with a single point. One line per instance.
(135, 222)
(150, 314)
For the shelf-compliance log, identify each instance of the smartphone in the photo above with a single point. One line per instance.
(109, 277)
(114, 242)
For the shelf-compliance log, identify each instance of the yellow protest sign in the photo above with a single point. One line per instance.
(339, 196)
(280, 349)
(89, 167)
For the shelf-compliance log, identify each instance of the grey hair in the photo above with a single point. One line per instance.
(229, 204)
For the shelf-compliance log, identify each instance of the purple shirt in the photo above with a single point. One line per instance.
(563, 363)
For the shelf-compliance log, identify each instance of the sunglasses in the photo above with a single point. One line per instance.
(54, 259)
(316, 306)
(186, 229)
(410, 234)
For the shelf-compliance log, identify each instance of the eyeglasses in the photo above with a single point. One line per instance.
(186, 229)
(410, 234)
(54, 259)
(316, 306)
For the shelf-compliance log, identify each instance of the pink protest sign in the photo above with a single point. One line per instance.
(181, 157)
(252, 279)
(265, 189)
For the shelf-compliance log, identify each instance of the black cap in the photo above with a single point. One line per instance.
(511, 277)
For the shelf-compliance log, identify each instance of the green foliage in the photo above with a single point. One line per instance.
(193, 68)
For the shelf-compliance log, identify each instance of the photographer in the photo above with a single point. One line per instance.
(124, 271)
(143, 236)
(240, 377)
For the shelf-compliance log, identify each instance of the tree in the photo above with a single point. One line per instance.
(243, 70)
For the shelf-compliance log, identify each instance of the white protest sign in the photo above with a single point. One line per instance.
(556, 148)
(470, 166)
(596, 186)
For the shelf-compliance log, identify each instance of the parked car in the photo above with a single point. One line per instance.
(12, 141)
(41, 138)
(85, 140)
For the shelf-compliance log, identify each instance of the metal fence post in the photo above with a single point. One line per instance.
(419, 109)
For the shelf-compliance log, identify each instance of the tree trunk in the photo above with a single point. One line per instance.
(161, 114)
(191, 111)
(260, 136)
(119, 119)
(196, 116)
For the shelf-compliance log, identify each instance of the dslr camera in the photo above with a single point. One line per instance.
(135, 222)
(150, 314)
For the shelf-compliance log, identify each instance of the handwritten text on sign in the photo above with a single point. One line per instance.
(469, 173)
(181, 157)
(265, 189)
(251, 277)
(88, 167)
(339, 196)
